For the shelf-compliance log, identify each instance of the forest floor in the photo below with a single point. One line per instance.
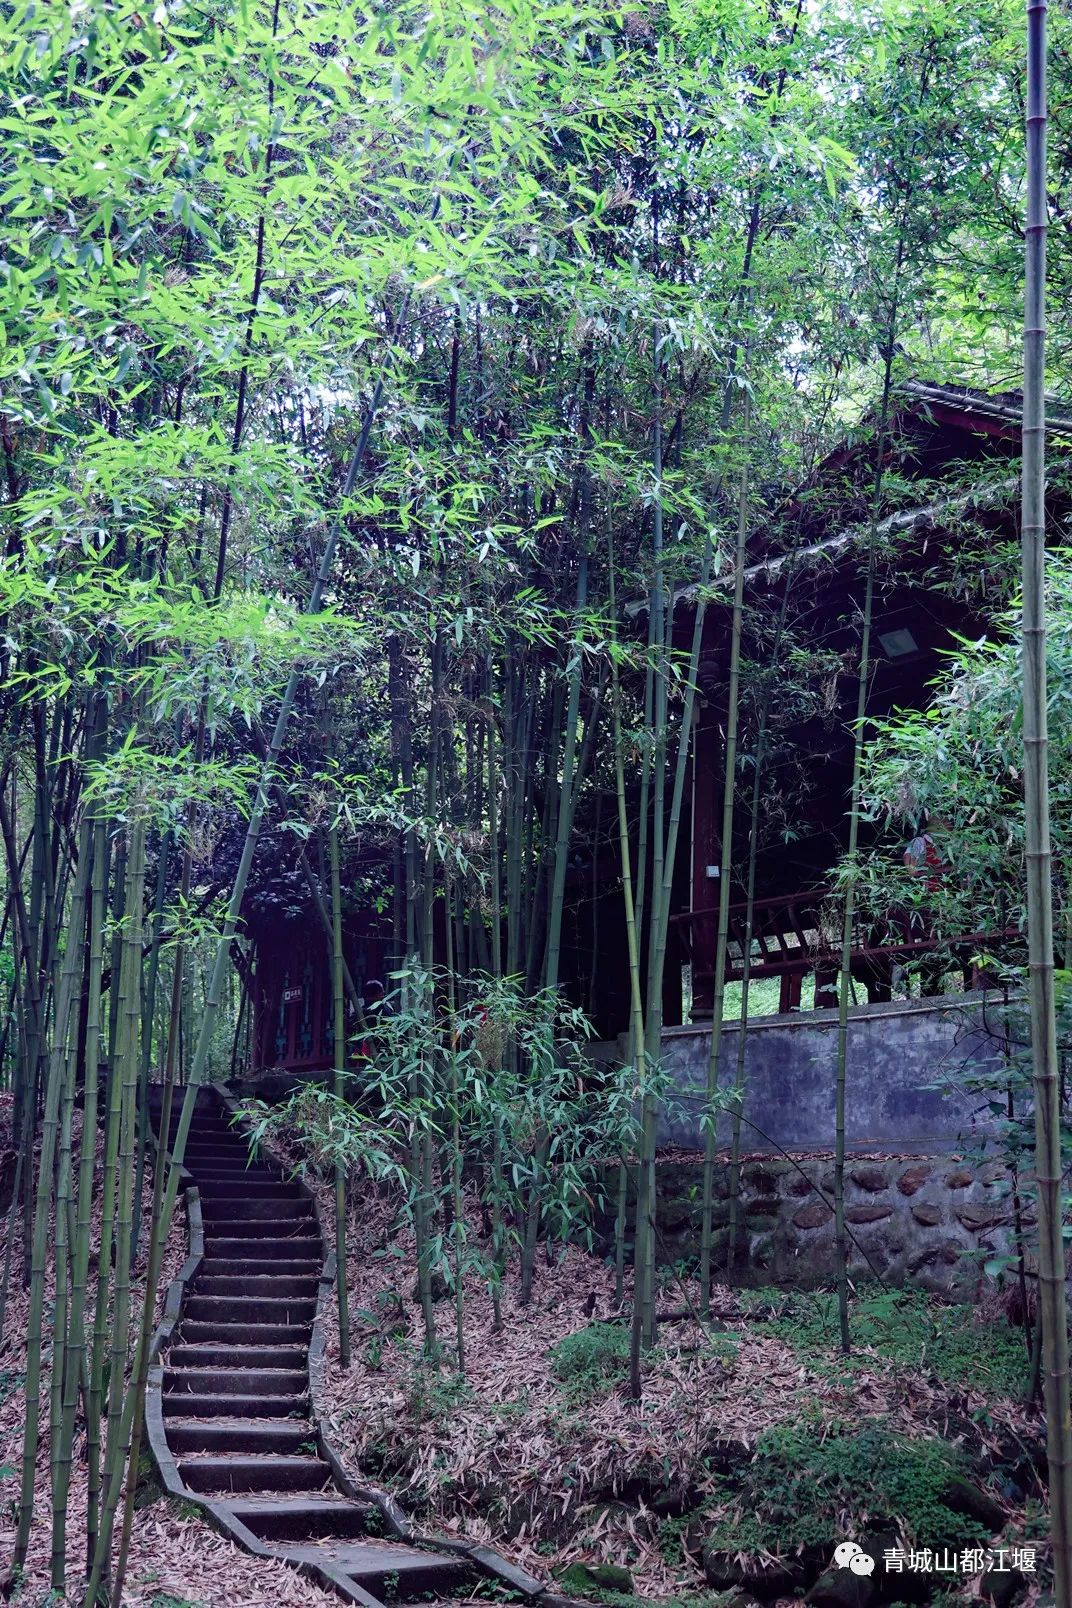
(756, 1449)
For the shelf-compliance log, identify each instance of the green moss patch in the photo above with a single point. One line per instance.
(591, 1362)
(908, 1328)
(806, 1486)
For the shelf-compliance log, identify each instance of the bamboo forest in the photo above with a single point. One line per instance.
(536, 803)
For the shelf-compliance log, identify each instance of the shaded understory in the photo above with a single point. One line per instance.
(756, 1449)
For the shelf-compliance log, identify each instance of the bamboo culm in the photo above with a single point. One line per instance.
(1044, 1056)
(339, 1020)
(636, 1001)
(729, 778)
(841, 1244)
(57, 1067)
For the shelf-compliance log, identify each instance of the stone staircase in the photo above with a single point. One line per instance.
(229, 1410)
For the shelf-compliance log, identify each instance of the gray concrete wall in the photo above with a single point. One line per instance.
(903, 1077)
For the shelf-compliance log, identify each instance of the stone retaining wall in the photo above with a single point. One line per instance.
(925, 1220)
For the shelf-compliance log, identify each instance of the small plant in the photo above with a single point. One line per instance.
(10, 1382)
(390, 1586)
(431, 1395)
(489, 1589)
(670, 1537)
(592, 1361)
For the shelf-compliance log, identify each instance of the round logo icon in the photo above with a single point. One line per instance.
(849, 1555)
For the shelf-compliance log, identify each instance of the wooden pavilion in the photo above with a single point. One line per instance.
(940, 438)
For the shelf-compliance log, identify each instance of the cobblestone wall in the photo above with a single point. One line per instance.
(926, 1220)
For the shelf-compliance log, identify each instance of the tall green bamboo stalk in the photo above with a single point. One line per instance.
(1045, 1063)
(566, 798)
(729, 777)
(57, 1066)
(841, 1242)
(455, 1166)
(739, 1074)
(98, 1350)
(148, 1015)
(636, 1002)
(339, 1019)
(124, 1070)
(61, 1300)
(422, 1084)
(566, 801)
(134, 1404)
(663, 626)
(70, 1249)
(498, 1238)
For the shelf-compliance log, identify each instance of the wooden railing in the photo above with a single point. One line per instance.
(799, 933)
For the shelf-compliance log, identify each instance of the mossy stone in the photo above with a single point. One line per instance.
(760, 1223)
(588, 1577)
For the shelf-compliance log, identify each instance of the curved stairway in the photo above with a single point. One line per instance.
(233, 1389)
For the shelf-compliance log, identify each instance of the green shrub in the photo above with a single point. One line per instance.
(806, 1485)
(591, 1361)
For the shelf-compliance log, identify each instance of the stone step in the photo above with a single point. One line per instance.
(302, 1230)
(228, 1154)
(241, 1185)
(240, 1472)
(188, 1404)
(254, 1309)
(278, 1210)
(223, 1172)
(243, 1286)
(402, 1579)
(230, 1267)
(225, 1142)
(264, 1247)
(236, 1381)
(194, 1332)
(223, 1356)
(220, 1173)
(302, 1517)
(223, 1150)
(206, 1127)
(388, 1570)
(215, 1152)
(223, 1169)
(241, 1435)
